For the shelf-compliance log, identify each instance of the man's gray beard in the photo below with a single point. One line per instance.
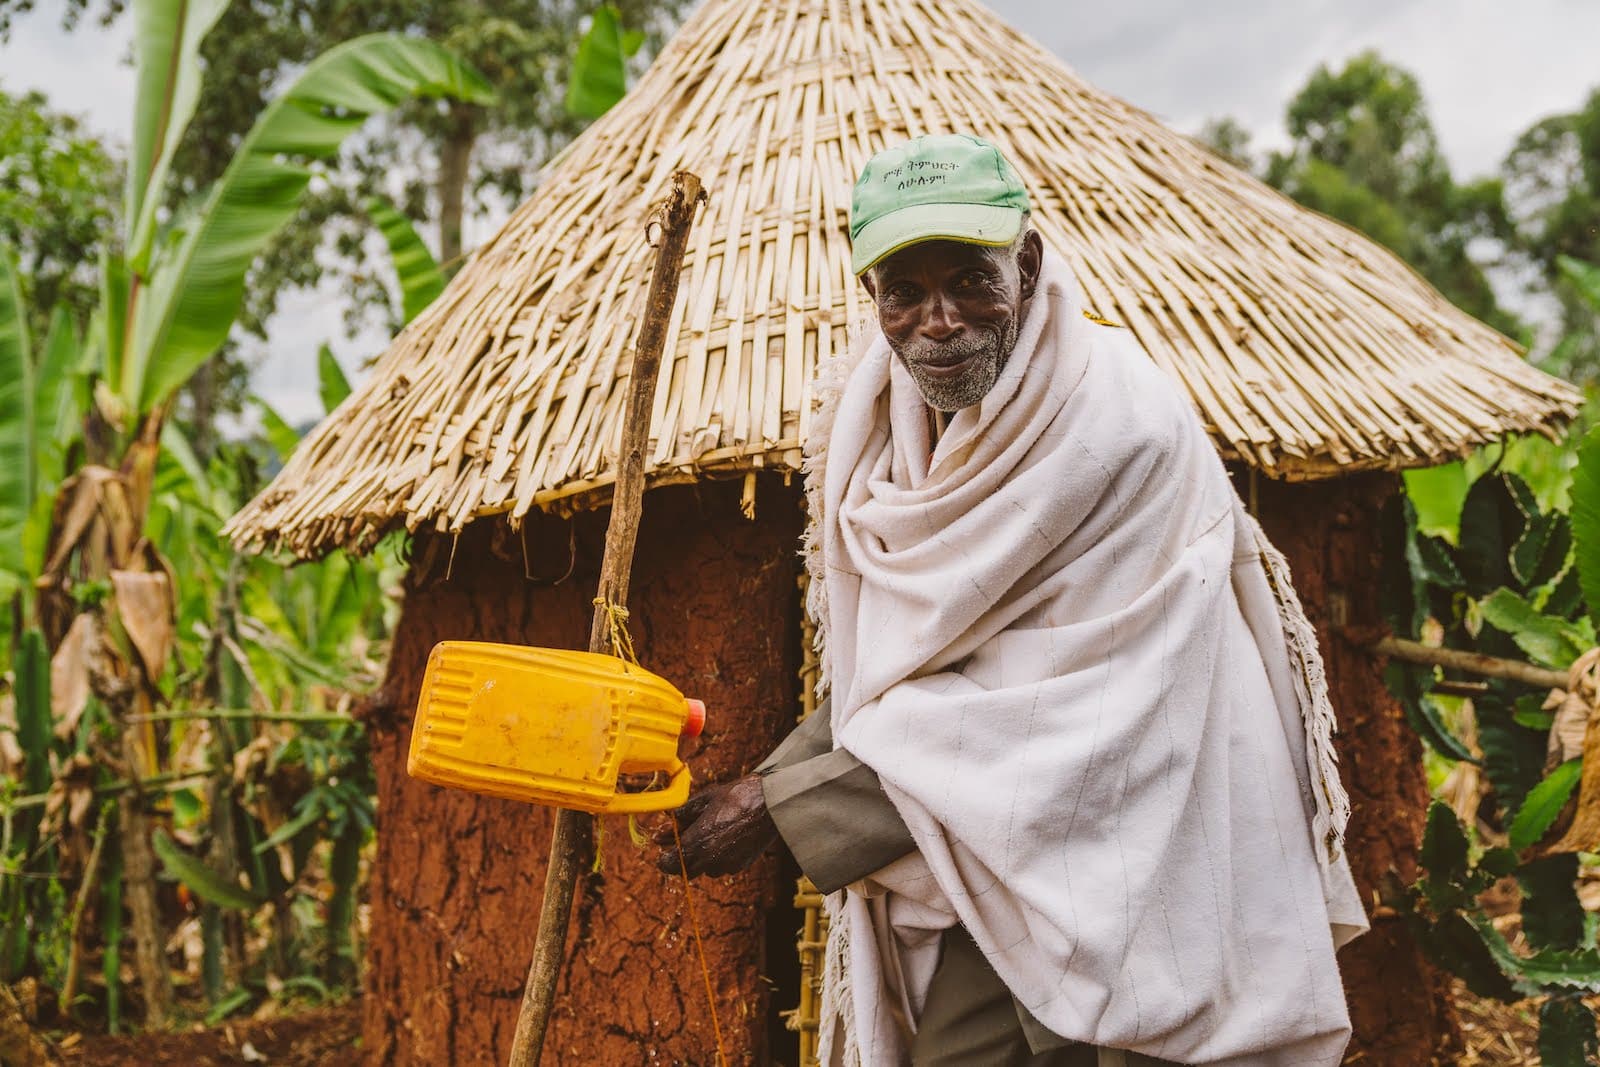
(988, 351)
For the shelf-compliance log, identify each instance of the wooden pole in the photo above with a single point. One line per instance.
(574, 833)
(1470, 662)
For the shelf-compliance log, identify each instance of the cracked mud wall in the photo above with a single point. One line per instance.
(1400, 1006)
(458, 878)
(457, 884)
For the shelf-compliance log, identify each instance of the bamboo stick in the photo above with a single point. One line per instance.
(240, 713)
(1470, 662)
(109, 789)
(574, 831)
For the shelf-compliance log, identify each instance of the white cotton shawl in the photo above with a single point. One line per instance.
(1057, 643)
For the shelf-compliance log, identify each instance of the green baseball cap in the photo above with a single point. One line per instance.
(951, 187)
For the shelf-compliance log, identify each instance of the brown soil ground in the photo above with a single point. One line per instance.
(1494, 1035)
(326, 1037)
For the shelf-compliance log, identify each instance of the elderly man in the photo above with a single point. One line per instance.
(1073, 790)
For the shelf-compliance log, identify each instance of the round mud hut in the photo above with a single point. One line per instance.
(1319, 362)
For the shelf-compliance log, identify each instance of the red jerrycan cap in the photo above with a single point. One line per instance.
(695, 721)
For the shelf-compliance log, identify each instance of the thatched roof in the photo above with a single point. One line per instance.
(1308, 349)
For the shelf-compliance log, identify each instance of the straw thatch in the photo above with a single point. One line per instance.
(1307, 349)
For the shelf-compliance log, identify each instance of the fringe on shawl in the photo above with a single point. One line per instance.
(826, 390)
(838, 1045)
(1316, 710)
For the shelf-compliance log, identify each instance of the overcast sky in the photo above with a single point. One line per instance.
(1489, 68)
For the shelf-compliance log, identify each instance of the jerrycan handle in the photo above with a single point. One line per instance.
(672, 795)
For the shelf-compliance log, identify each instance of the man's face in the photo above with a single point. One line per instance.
(951, 313)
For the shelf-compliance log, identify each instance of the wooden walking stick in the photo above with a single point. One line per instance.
(574, 832)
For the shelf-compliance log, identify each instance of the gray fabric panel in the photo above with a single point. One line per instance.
(970, 1018)
(812, 737)
(831, 812)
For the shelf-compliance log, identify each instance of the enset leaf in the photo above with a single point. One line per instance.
(1492, 520)
(1544, 803)
(1551, 641)
(204, 882)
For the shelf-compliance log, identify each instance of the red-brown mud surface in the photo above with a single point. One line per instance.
(1400, 1005)
(458, 878)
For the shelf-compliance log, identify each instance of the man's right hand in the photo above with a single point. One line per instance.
(723, 828)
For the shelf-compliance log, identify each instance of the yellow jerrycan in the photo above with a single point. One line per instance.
(550, 726)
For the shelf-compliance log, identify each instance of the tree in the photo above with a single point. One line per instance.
(58, 186)
(1228, 138)
(1364, 151)
(1552, 182)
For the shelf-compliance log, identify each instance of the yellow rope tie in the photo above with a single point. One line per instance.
(617, 629)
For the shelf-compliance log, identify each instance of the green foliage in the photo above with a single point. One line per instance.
(1543, 804)
(1567, 1033)
(252, 636)
(166, 45)
(24, 872)
(334, 386)
(1495, 570)
(111, 932)
(1585, 278)
(1364, 150)
(42, 399)
(421, 280)
(1548, 641)
(1586, 520)
(524, 48)
(32, 689)
(196, 281)
(1437, 493)
(600, 71)
(227, 1005)
(57, 202)
(279, 434)
(204, 882)
(17, 471)
(1229, 139)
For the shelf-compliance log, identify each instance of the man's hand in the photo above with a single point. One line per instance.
(723, 829)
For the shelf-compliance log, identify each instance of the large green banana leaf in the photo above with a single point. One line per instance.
(600, 69)
(421, 280)
(197, 281)
(166, 44)
(331, 380)
(17, 467)
(58, 397)
(279, 434)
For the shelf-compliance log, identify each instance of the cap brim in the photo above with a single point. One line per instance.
(978, 224)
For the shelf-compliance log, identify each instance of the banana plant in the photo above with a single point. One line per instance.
(41, 403)
(184, 283)
(272, 639)
(169, 300)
